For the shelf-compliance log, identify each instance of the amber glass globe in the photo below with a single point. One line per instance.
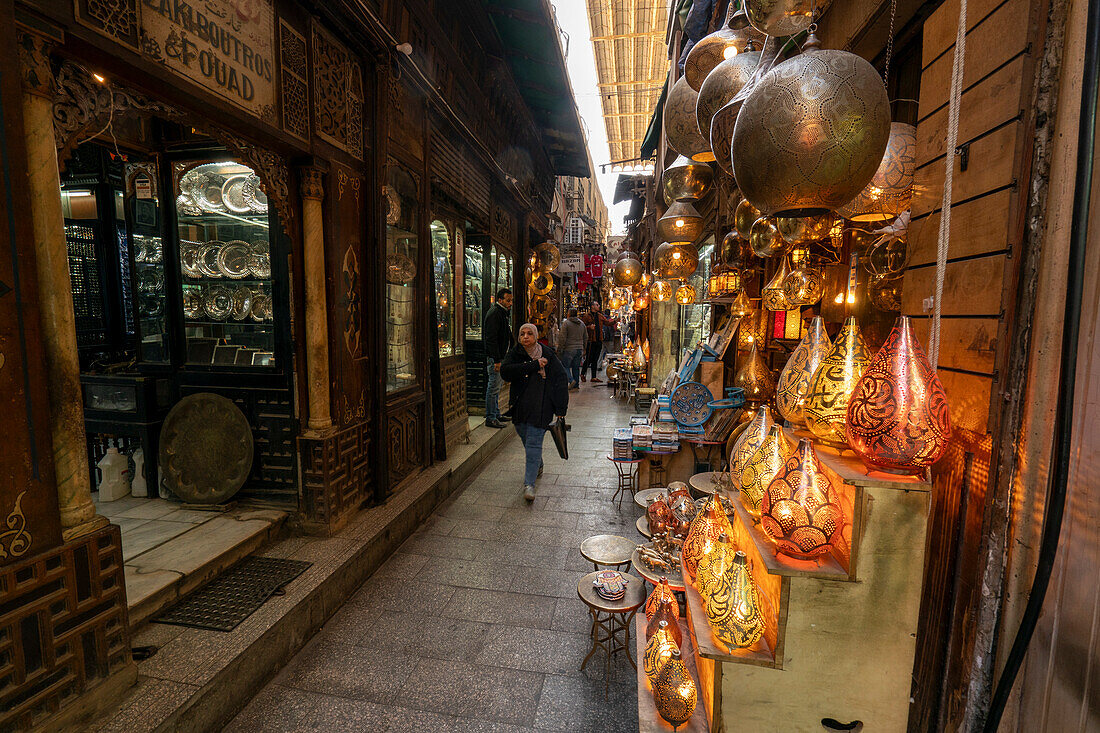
(765, 239)
(801, 512)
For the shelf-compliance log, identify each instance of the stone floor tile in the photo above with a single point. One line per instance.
(513, 609)
(386, 594)
(335, 713)
(477, 530)
(277, 708)
(545, 582)
(401, 566)
(534, 650)
(523, 554)
(420, 634)
(335, 668)
(442, 546)
(570, 614)
(467, 573)
(145, 703)
(577, 703)
(472, 690)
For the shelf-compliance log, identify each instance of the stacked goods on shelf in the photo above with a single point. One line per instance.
(623, 444)
(666, 437)
(642, 436)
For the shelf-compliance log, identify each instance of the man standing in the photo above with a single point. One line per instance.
(573, 336)
(498, 340)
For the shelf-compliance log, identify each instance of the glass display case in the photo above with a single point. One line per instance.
(501, 264)
(223, 225)
(402, 223)
(473, 256)
(147, 255)
(444, 281)
(695, 318)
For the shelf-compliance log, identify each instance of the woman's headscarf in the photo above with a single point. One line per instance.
(534, 351)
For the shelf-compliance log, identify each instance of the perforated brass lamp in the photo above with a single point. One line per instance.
(668, 613)
(723, 82)
(685, 294)
(801, 511)
(826, 404)
(685, 179)
(681, 223)
(681, 127)
(749, 442)
(889, 192)
(703, 532)
(744, 216)
(773, 296)
(765, 239)
(733, 606)
(798, 230)
(762, 467)
(676, 261)
(898, 418)
(794, 380)
(742, 305)
(661, 591)
(755, 378)
(675, 693)
(628, 270)
(724, 43)
(661, 291)
(658, 650)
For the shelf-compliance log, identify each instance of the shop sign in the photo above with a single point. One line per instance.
(571, 263)
(226, 46)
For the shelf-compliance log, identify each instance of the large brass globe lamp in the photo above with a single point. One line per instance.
(780, 17)
(686, 179)
(628, 270)
(661, 291)
(723, 82)
(685, 294)
(724, 43)
(681, 127)
(744, 217)
(889, 192)
(811, 134)
(681, 223)
(676, 261)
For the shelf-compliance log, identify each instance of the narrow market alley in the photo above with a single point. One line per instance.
(443, 637)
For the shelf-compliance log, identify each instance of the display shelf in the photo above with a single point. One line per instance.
(826, 567)
(188, 280)
(649, 720)
(250, 324)
(760, 654)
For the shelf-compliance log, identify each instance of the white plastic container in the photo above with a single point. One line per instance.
(138, 485)
(114, 476)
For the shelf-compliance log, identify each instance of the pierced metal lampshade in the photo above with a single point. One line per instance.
(686, 179)
(641, 302)
(773, 297)
(681, 223)
(661, 291)
(741, 305)
(811, 134)
(721, 135)
(765, 240)
(798, 230)
(826, 404)
(628, 270)
(681, 127)
(794, 380)
(661, 591)
(804, 286)
(885, 294)
(735, 251)
(724, 43)
(642, 286)
(755, 378)
(676, 261)
(658, 651)
(668, 612)
(749, 442)
(898, 418)
(890, 191)
(762, 467)
(675, 693)
(703, 532)
(744, 217)
(733, 606)
(714, 564)
(722, 84)
(780, 17)
(685, 294)
(801, 511)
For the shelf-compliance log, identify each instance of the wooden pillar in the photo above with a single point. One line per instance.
(313, 237)
(70, 454)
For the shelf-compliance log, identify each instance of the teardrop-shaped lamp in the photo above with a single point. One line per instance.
(749, 442)
(826, 404)
(801, 511)
(733, 606)
(773, 296)
(675, 693)
(794, 380)
(755, 378)
(705, 528)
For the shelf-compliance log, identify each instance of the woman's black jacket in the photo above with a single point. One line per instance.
(534, 400)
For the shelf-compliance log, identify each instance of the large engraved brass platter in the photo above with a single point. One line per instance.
(205, 449)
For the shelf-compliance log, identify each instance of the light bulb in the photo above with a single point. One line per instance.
(679, 223)
(99, 78)
(851, 297)
(839, 298)
(729, 53)
(676, 255)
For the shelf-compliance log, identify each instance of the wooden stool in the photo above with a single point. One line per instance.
(611, 621)
(607, 550)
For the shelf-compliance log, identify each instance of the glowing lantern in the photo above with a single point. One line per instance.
(773, 296)
(667, 613)
(762, 466)
(801, 510)
(658, 651)
(744, 216)
(703, 532)
(660, 592)
(661, 291)
(826, 403)
(681, 127)
(628, 270)
(676, 261)
(685, 294)
(755, 378)
(675, 693)
(742, 305)
(794, 380)
(732, 605)
(686, 179)
(749, 442)
(889, 192)
(681, 223)
(765, 239)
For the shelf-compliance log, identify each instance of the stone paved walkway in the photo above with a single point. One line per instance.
(474, 624)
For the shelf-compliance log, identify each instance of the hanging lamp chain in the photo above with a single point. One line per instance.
(890, 44)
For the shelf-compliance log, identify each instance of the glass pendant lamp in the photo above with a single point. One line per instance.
(641, 302)
(804, 286)
(794, 380)
(749, 442)
(744, 216)
(675, 693)
(661, 291)
(826, 404)
(765, 239)
(668, 614)
(801, 510)
(755, 378)
(658, 650)
(660, 592)
(898, 417)
(762, 467)
(703, 532)
(773, 297)
(733, 606)
(742, 305)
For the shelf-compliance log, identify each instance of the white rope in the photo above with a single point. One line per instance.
(949, 165)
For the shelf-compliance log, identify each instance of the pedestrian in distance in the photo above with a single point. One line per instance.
(572, 338)
(538, 394)
(498, 340)
(592, 347)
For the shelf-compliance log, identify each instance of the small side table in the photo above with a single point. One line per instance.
(643, 527)
(627, 470)
(674, 577)
(611, 621)
(708, 482)
(657, 467)
(707, 447)
(607, 550)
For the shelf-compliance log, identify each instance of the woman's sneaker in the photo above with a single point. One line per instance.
(529, 492)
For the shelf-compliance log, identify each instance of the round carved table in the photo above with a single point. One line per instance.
(611, 620)
(607, 550)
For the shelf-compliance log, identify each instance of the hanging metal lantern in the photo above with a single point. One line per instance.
(765, 240)
(773, 297)
(804, 286)
(641, 302)
(685, 294)
(811, 134)
(724, 43)
(890, 191)
(628, 270)
(744, 217)
(736, 251)
(721, 135)
(642, 286)
(681, 223)
(686, 179)
(661, 291)
(676, 261)
(794, 380)
(742, 305)
(884, 293)
(722, 85)
(681, 127)
(755, 378)
(780, 17)
(798, 230)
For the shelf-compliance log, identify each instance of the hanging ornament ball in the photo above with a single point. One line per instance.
(780, 17)
(798, 230)
(811, 134)
(890, 191)
(885, 294)
(676, 261)
(686, 179)
(722, 84)
(765, 240)
(661, 291)
(628, 271)
(744, 217)
(685, 294)
(724, 43)
(681, 126)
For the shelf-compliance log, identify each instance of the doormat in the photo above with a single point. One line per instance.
(235, 595)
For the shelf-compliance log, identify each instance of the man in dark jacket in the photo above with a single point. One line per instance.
(498, 340)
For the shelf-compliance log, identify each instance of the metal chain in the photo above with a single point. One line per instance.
(890, 43)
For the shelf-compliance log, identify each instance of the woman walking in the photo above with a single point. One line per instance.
(539, 392)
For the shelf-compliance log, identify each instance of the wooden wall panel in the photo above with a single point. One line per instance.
(938, 34)
(962, 294)
(970, 341)
(978, 227)
(991, 164)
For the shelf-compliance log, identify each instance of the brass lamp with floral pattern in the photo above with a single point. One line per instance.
(705, 528)
(826, 404)
(675, 693)
(755, 378)
(732, 605)
(762, 467)
(658, 650)
(794, 380)
(801, 510)
(749, 442)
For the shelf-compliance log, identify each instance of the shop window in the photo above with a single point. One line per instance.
(402, 223)
(473, 255)
(444, 281)
(501, 272)
(225, 264)
(695, 318)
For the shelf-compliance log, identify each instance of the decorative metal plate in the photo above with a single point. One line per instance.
(206, 449)
(548, 256)
(542, 284)
(242, 303)
(233, 194)
(186, 205)
(690, 404)
(189, 258)
(233, 258)
(393, 205)
(217, 302)
(261, 308)
(208, 195)
(259, 260)
(206, 259)
(253, 192)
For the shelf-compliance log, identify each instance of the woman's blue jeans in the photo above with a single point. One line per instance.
(531, 436)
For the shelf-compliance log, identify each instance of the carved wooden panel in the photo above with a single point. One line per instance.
(461, 175)
(345, 202)
(455, 419)
(337, 93)
(335, 476)
(63, 627)
(295, 84)
(405, 444)
(502, 227)
(116, 19)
